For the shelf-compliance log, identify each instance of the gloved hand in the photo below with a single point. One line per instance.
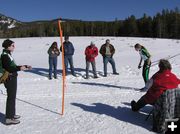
(28, 67)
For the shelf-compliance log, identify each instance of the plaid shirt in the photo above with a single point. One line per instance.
(166, 107)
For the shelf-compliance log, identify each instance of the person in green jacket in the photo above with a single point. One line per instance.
(10, 84)
(146, 57)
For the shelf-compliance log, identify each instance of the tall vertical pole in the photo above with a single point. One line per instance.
(63, 66)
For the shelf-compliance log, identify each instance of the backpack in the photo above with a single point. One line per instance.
(3, 73)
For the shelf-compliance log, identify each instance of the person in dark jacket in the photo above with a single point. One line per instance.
(91, 52)
(107, 51)
(161, 81)
(68, 55)
(146, 57)
(53, 52)
(11, 84)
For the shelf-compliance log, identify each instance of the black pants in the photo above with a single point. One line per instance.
(145, 72)
(139, 104)
(11, 86)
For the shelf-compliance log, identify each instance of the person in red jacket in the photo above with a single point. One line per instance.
(161, 81)
(91, 52)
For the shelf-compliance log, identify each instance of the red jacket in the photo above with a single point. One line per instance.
(91, 52)
(162, 81)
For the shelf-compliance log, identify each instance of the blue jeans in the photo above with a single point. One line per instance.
(111, 61)
(93, 68)
(52, 64)
(69, 59)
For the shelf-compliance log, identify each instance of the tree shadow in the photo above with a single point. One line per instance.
(2, 118)
(105, 85)
(42, 71)
(121, 113)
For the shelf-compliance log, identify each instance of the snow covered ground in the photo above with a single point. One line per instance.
(94, 106)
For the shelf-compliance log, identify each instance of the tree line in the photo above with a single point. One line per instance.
(163, 25)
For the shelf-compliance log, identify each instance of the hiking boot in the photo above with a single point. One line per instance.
(11, 121)
(87, 77)
(17, 116)
(133, 103)
(95, 77)
(74, 75)
(116, 73)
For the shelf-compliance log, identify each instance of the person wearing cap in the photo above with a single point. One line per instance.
(11, 83)
(146, 57)
(107, 51)
(91, 52)
(68, 55)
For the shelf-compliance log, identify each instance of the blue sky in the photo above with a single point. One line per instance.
(31, 10)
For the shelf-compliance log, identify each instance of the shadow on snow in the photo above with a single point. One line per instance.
(42, 71)
(120, 113)
(2, 118)
(105, 85)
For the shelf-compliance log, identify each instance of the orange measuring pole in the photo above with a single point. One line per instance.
(63, 66)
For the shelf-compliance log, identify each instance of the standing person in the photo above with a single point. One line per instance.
(53, 52)
(145, 56)
(68, 54)
(10, 84)
(161, 81)
(107, 51)
(91, 52)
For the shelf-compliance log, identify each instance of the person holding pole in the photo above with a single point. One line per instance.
(146, 57)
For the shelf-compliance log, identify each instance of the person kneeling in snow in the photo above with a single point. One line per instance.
(91, 52)
(161, 81)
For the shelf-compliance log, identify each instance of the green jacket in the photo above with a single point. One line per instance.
(8, 63)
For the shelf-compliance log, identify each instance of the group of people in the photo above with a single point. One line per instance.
(161, 81)
(91, 52)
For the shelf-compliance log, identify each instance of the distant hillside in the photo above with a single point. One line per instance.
(163, 25)
(8, 22)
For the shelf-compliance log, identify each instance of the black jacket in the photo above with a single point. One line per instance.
(8, 63)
